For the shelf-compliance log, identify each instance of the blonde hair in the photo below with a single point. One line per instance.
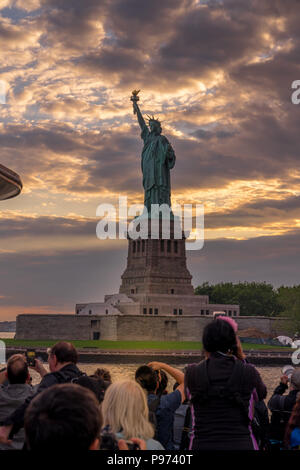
(125, 410)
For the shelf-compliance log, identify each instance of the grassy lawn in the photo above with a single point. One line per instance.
(134, 345)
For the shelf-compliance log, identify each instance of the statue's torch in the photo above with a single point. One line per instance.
(135, 98)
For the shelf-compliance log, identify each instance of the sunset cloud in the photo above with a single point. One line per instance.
(218, 75)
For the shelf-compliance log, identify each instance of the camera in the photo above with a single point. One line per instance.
(30, 357)
(110, 442)
(132, 446)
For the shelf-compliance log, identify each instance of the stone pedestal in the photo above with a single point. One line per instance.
(157, 266)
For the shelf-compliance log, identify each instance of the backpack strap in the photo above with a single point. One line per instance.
(199, 388)
(185, 435)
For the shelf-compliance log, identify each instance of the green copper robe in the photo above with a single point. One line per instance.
(158, 158)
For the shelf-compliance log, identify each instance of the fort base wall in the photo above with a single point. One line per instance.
(130, 328)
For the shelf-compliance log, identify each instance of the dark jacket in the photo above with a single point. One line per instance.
(281, 407)
(12, 396)
(222, 419)
(64, 375)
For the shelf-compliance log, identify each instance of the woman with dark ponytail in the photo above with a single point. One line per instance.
(222, 391)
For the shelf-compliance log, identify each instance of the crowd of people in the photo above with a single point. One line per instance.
(218, 404)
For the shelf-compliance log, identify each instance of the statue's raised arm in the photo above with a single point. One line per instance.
(136, 110)
(141, 120)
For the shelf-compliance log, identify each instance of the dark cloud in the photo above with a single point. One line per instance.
(56, 138)
(72, 25)
(21, 226)
(110, 160)
(171, 42)
(14, 37)
(207, 135)
(263, 148)
(257, 214)
(273, 259)
(274, 77)
(164, 45)
(61, 279)
(112, 60)
(134, 20)
(212, 36)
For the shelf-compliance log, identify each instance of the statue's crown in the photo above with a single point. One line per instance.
(152, 119)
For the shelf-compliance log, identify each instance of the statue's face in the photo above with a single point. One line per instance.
(155, 127)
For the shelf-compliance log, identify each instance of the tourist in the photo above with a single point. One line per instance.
(103, 373)
(14, 393)
(260, 422)
(292, 433)
(97, 385)
(62, 361)
(162, 406)
(125, 411)
(281, 407)
(222, 390)
(63, 418)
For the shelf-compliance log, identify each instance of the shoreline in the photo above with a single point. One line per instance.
(89, 356)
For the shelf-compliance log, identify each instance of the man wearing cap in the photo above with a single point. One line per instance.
(281, 406)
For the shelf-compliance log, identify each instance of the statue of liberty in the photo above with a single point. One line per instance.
(158, 158)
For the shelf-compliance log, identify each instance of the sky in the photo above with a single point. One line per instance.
(218, 74)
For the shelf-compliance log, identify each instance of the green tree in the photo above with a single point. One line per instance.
(254, 298)
(289, 301)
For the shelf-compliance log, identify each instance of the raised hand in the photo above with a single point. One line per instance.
(4, 434)
(284, 379)
(39, 368)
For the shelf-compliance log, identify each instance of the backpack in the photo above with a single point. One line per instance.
(96, 385)
(63, 377)
(230, 391)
